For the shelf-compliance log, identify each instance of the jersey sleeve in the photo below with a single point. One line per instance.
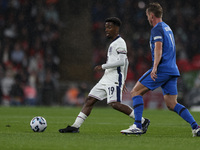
(157, 34)
(119, 62)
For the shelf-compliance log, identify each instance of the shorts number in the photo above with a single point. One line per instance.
(111, 90)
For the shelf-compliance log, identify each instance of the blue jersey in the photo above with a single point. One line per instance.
(163, 33)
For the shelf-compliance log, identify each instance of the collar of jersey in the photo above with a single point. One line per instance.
(116, 38)
(157, 24)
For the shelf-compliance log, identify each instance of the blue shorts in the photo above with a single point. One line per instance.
(168, 83)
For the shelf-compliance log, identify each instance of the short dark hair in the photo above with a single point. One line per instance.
(156, 9)
(116, 21)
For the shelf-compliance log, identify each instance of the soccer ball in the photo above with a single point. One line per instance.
(38, 124)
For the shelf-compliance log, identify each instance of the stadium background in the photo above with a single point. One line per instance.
(48, 48)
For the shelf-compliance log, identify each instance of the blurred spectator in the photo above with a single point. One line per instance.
(30, 95)
(5, 54)
(6, 85)
(17, 55)
(71, 96)
(16, 92)
(51, 14)
(83, 92)
(48, 90)
(193, 96)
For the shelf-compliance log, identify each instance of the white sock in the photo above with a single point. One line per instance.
(79, 120)
(143, 120)
(133, 116)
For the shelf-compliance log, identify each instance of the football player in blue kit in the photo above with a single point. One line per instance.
(164, 72)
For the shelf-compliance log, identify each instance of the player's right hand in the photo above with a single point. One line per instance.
(125, 90)
(153, 74)
(98, 68)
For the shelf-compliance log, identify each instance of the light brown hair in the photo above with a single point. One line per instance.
(156, 9)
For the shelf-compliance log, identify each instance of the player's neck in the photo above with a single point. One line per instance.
(115, 37)
(156, 21)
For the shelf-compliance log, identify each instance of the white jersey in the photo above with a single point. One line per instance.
(117, 63)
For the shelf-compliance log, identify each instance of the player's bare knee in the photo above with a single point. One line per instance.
(170, 106)
(114, 105)
(133, 93)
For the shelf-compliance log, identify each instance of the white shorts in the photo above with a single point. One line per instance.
(112, 92)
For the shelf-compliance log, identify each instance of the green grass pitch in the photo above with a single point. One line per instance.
(100, 131)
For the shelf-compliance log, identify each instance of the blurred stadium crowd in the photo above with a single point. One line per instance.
(184, 19)
(30, 32)
(28, 51)
(182, 16)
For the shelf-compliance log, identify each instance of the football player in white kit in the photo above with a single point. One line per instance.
(111, 84)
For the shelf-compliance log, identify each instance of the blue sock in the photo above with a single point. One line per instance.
(185, 114)
(138, 110)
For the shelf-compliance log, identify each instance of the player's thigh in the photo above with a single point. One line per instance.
(170, 86)
(114, 93)
(147, 81)
(98, 92)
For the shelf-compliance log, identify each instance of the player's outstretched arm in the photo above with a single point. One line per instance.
(117, 63)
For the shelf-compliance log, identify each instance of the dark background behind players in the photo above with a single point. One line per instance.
(63, 40)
